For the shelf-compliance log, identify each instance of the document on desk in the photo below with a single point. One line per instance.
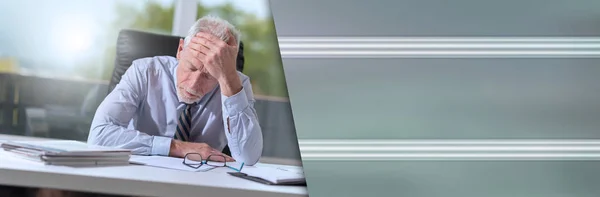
(65, 153)
(64, 148)
(167, 162)
(273, 175)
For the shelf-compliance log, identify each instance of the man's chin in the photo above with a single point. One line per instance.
(188, 100)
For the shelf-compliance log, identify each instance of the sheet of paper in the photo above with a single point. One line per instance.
(166, 162)
(275, 174)
(291, 169)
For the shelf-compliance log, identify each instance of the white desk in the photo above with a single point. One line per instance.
(135, 180)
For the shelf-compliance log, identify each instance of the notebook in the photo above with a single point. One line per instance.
(272, 175)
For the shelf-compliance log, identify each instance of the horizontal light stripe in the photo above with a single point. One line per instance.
(442, 157)
(596, 155)
(339, 149)
(444, 141)
(460, 47)
(304, 39)
(449, 148)
(439, 54)
(435, 46)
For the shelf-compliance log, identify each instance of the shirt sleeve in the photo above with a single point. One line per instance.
(110, 124)
(244, 134)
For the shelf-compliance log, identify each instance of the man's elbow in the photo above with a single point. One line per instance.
(250, 159)
(97, 135)
(252, 155)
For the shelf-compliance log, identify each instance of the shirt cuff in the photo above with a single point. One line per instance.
(235, 104)
(161, 145)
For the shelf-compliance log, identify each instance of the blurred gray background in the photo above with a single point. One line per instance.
(444, 98)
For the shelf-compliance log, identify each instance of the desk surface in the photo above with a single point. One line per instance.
(136, 180)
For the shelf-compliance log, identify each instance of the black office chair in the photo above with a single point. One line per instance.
(134, 44)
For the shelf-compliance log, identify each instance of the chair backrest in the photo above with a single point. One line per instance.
(134, 44)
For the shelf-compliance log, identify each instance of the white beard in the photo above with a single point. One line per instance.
(183, 98)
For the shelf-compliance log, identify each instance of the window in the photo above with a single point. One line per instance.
(57, 57)
(71, 38)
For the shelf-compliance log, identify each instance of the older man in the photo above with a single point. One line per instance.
(195, 103)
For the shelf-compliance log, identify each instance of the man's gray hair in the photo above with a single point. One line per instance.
(215, 26)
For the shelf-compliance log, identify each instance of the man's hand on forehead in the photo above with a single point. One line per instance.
(217, 56)
(216, 40)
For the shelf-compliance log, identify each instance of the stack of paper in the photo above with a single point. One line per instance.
(66, 153)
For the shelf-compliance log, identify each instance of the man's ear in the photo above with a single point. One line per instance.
(179, 48)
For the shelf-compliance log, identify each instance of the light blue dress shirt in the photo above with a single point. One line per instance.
(141, 114)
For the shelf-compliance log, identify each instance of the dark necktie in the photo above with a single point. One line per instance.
(184, 125)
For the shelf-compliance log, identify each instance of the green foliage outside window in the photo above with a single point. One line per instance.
(262, 65)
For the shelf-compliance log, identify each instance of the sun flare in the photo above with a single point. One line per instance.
(73, 35)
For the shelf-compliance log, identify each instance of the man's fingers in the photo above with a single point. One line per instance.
(221, 158)
(222, 155)
(200, 55)
(194, 157)
(208, 43)
(229, 159)
(209, 37)
(198, 48)
(200, 51)
(193, 61)
(214, 157)
(193, 57)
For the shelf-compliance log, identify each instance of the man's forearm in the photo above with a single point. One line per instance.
(250, 148)
(230, 84)
(243, 131)
(245, 139)
(109, 128)
(120, 137)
